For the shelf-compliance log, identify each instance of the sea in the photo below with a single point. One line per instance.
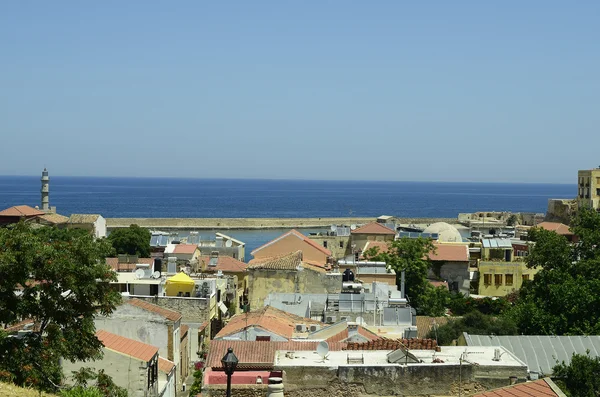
(117, 197)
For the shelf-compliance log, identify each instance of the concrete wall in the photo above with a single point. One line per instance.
(388, 278)
(167, 384)
(292, 243)
(127, 372)
(454, 272)
(516, 269)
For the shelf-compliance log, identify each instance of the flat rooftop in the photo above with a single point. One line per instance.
(450, 355)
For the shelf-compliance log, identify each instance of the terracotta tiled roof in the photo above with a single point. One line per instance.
(425, 324)
(165, 366)
(185, 248)
(83, 218)
(202, 326)
(374, 228)
(129, 347)
(54, 218)
(450, 253)
(538, 388)
(183, 331)
(257, 355)
(21, 210)
(393, 344)
(289, 261)
(126, 267)
(308, 265)
(557, 227)
(343, 335)
(268, 318)
(382, 245)
(226, 264)
(166, 313)
(437, 283)
(300, 236)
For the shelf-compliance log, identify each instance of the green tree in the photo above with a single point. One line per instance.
(474, 322)
(412, 256)
(564, 296)
(581, 378)
(133, 240)
(61, 285)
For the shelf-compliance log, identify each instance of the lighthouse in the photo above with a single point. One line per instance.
(45, 191)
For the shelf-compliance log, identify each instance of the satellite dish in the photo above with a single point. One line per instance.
(139, 273)
(352, 227)
(360, 320)
(333, 228)
(228, 243)
(323, 349)
(156, 274)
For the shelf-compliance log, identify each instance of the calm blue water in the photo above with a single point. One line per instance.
(208, 198)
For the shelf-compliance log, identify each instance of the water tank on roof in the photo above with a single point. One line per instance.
(348, 275)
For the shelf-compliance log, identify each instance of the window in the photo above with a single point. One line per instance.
(508, 279)
(487, 279)
(497, 279)
(325, 244)
(525, 277)
(341, 244)
(263, 338)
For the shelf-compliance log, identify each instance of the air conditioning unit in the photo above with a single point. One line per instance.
(330, 319)
(315, 327)
(300, 327)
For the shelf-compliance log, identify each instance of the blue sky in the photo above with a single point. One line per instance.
(387, 90)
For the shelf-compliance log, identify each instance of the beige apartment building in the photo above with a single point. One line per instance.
(588, 189)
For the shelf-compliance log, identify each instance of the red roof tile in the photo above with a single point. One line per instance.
(437, 283)
(394, 344)
(184, 330)
(557, 227)
(257, 355)
(185, 248)
(165, 365)
(426, 323)
(450, 253)
(126, 267)
(129, 347)
(343, 335)
(21, 211)
(268, 318)
(289, 261)
(381, 245)
(540, 387)
(300, 236)
(226, 264)
(166, 313)
(374, 228)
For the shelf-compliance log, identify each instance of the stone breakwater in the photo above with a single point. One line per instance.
(253, 223)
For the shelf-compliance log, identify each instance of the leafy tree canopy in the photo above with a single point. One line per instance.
(60, 284)
(474, 322)
(581, 378)
(133, 240)
(564, 296)
(412, 256)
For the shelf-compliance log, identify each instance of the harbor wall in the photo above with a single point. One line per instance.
(252, 223)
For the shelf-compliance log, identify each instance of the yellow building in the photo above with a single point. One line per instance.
(588, 189)
(502, 278)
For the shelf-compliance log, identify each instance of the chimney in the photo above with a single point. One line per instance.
(352, 329)
(402, 290)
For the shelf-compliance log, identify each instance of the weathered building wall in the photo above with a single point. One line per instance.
(339, 246)
(195, 310)
(126, 372)
(361, 239)
(488, 285)
(560, 210)
(355, 381)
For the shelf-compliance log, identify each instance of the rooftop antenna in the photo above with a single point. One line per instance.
(323, 350)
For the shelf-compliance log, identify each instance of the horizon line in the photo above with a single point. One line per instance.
(287, 179)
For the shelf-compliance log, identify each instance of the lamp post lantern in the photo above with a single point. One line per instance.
(230, 362)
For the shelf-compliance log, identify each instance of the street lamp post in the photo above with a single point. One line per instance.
(229, 361)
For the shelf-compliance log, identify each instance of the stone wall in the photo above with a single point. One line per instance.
(560, 210)
(357, 381)
(195, 310)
